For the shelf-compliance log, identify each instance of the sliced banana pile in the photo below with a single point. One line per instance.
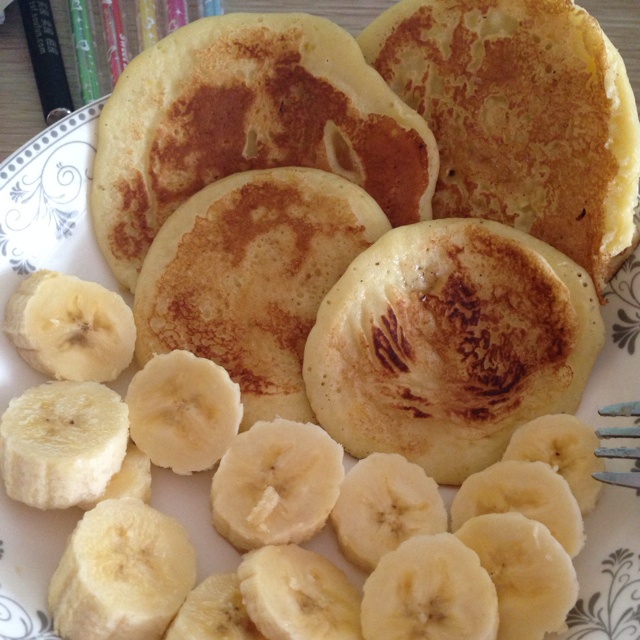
(500, 570)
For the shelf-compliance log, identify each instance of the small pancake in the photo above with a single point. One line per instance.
(237, 273)
(240, 92)
(533, 113)
(444, 336)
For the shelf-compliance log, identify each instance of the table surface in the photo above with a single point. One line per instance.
(22, 117)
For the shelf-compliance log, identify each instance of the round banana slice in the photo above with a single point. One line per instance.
(534, 576)
(531, 488)
(61, 442)
(124, 574)
(443, 337)
(184, 411)
(430, 587)
(70, 329)
(385, 499)
(132, 480)
(567, 444)
(214, 609)
(276, 484)
(292, 593)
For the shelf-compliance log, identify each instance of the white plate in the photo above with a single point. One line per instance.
(44, 224)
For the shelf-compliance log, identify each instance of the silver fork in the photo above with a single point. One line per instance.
(631, 479)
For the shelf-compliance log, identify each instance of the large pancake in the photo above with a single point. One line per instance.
(237, 273)
(533, 113)
(249, 91)
(444, 336)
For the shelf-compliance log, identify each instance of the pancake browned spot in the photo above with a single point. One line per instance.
(444, 336)
(533, 113)
(237, 273)
(242, 92)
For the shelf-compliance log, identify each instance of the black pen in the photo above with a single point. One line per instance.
(46, 57)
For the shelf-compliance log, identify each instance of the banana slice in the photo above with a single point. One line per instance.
(61, 442)
(431, 586)
(133, 480)
(385, 499)
(276, 484)
(184, 411)
(295, 594)
(124, 574)
(531, 488)
(70, 329)
(214, 609)
(534, 577)
(567, 444)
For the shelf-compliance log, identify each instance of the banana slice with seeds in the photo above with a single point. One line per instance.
(567, 444)
(431, 586)
(125, 573)
(276, 484)
(534, 577)
(531, 488)
(292, 593)
(184, 411)
(385, 499)
(61, 442)
(70, 329)
(214, 609)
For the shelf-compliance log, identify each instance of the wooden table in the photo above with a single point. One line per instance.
(21, 116)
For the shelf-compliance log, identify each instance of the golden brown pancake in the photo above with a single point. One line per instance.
(444, 336)
(237, 273)
(248, 91)
(533, 113)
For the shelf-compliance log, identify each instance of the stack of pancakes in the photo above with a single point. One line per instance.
(251, 166)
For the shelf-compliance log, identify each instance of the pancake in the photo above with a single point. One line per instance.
(533, 113)
(237, 273)
(241, 92)
(443, 337)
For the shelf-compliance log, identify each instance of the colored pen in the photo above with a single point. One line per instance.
(210, 8)
(46, 58)
(147, 23)
(115, 36)
(85, 50)
(177, 14)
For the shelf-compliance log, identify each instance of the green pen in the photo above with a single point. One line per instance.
(85, 50)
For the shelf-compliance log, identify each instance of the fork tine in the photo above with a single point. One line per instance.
(621, 409)
(618, 432)
(626, 453)
(631, 479)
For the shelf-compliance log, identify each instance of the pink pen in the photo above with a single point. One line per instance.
(116, 39)
(177, 14)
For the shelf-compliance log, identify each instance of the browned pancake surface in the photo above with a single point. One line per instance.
(239, 273)
(239, 93)
(444, 336)
(532, 113)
